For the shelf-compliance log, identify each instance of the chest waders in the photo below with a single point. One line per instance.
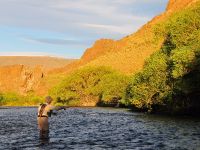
(43, 123)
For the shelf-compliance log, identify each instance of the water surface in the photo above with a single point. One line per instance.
(98, 128)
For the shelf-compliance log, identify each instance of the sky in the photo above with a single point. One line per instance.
(65, 28)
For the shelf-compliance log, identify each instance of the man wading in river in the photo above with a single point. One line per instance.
(45, 111)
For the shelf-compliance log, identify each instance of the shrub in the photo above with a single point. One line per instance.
(90, 84)
(171, 76)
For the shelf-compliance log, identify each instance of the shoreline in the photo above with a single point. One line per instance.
(163, 114)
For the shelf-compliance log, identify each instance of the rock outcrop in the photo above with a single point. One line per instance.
(19, 78)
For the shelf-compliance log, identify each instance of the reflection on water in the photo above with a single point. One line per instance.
(97, 128)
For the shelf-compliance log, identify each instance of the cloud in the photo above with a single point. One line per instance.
(109, 28)
(71, 25)
(55, 41)
(71, 16)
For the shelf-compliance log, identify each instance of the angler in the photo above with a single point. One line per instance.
(44, 112)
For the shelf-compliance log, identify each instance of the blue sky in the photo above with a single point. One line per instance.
(65, 28)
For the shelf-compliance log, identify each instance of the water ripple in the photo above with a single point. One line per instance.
(98, 128)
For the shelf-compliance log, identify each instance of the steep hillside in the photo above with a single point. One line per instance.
(23, 74)
(128, 54)
(19, 78)
(47, 63)
(169, 81)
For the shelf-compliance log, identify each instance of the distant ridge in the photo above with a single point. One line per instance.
(46, 62)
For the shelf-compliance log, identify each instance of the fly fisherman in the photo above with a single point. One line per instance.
(44, 112)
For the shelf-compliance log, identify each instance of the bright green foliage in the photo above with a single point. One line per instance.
(13, 99)
(90, 84)
(184, 27)
(112, 88)
(170, 80)
(183, 62)
(1, 99)
(150, 86)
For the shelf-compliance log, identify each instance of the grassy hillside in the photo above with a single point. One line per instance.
(129, 53)
(169, 80)
(155, 69)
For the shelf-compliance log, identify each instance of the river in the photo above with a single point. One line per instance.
(98, 128)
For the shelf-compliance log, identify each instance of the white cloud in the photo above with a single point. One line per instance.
(125, 29)
(69, 15)
(54, 41)
(70, 25)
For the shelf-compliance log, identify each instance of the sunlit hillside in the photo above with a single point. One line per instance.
(168, 80)
(126, 55)
(129, 53)
(47, 63)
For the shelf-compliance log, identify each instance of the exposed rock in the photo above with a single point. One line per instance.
(19, 78)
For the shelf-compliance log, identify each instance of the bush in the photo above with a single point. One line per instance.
(150, 86)
(90, 85)
(171, 76)
(14, 99)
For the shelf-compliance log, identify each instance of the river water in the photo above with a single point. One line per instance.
(98, 128)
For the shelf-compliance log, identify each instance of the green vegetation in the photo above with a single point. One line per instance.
(13, 99)
(149, 86)
(170, 80)
(91, 85)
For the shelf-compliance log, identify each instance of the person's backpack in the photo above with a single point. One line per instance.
(41, 110)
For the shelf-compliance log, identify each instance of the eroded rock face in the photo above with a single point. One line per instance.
(19, 78)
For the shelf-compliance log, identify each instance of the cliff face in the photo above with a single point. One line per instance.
(19, 78)
(22, 74)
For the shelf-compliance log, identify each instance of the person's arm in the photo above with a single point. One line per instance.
(59, 108)
(53, 110)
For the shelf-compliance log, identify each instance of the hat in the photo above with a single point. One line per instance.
(48, 99)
